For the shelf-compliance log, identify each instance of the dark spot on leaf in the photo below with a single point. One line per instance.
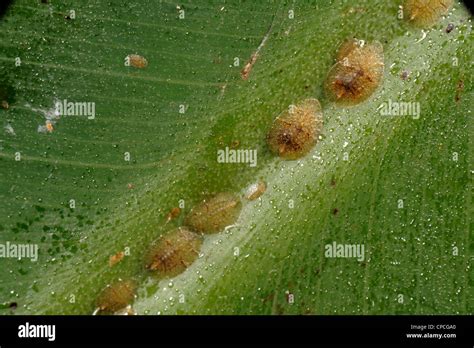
(449, 28)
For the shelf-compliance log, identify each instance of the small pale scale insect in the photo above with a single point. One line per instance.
(136, 61)
(426, 13)
(357, 73)
(296, 130)
(255, 190)
(173, 253)
(214, 214)
(116, 296)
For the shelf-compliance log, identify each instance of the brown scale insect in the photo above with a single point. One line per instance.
(116, 258)
(173, 214)
(295, 131)
(136, 61)
(248, 67)
(357, 73)
(116, 296)
(459, 90)
(173, 253)
(425, 13)
(214, 214)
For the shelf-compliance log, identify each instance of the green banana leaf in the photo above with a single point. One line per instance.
(87, 188)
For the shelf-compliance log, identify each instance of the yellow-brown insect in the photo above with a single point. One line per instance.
(357, 73)
(116, 296)
(245, 72)
(49, 126)
(173, 214)
(295, 131)
(114, 259)
(171, 254)
(136, 61)
(255, 190)
(425, 13)
(5, 104)
(214, 214)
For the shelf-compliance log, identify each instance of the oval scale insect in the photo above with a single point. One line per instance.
(173, 253)
(136, 61)
(425, 13)
(174, 213)
(255, 190)
(116, 296)
(357, 73)
(295, 131)
(214, 214)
